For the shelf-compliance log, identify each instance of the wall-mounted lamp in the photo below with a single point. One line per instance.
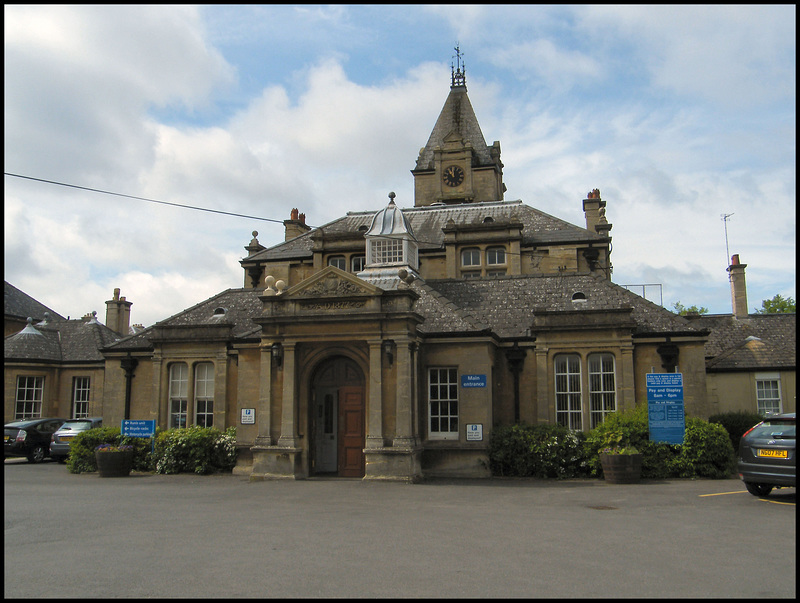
(388, 349)
(277, 353)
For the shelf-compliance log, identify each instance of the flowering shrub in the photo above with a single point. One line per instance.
(619, 450)
(112, 448)
(195, 449)
(537, 451)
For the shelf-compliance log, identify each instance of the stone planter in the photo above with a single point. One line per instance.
(622, 468)
(114, 464)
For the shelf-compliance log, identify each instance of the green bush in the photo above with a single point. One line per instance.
(537, 451)
(195, 450)
(736, 423)
(706, 452)
(629, 428)
(81, 448)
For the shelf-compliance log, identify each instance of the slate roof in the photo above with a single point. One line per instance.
(21, 306)
(240, 305)
(758, 342)
(505, 306)
(508, 305)
(60, 341)
(456, 117)
(538, 227)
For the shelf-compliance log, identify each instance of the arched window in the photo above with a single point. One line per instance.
(569, 406)
(471, 258)
(495, 256)
(338, 261)
(602, 388)
(204, 394)
(178, 394)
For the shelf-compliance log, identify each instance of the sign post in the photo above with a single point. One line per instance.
(140, 429)
(665, 407)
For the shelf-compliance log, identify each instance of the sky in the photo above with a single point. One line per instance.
(118, 116)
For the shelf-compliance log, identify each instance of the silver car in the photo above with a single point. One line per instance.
(59, 443)
(767, 455)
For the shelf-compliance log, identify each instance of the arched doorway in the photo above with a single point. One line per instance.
(337, 419)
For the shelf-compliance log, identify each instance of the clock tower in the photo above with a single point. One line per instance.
(457, 166)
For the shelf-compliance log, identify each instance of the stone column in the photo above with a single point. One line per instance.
(220, 389)
(289, 405)
(405, 437)
(264, 409)
(158, 392)
(375, 403)
(543, 387)
(627, 387)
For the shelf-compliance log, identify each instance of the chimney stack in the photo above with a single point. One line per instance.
(738, 287)
(296, 225)
(118, 314)
(595, 209)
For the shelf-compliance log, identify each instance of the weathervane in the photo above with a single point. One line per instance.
(458, 72)
(727, 251)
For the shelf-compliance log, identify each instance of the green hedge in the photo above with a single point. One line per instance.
(736, 423)
(193, 449)
(552, 451)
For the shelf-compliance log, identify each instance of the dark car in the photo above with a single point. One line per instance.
(30, 438)
(767, 455)
(59, 443)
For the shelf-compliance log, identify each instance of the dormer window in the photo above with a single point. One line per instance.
(471, 257)
(338, 261)
(495, 256)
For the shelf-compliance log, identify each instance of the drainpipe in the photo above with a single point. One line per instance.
(515, 357)
(128, 365)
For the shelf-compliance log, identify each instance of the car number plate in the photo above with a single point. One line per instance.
(780, 454)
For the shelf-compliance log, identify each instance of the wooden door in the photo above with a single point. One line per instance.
(326, 431)
(351, 431)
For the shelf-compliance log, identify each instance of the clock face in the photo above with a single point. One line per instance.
(453, 175)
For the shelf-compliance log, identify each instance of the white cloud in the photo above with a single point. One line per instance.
(670, 151)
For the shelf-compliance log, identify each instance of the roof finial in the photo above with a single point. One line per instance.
(458, 71)
(391, 197)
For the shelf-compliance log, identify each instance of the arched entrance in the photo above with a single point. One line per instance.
(337, 419)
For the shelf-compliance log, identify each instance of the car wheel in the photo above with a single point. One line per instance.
(760, 490)
(37, 454)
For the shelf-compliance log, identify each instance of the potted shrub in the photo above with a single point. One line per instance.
(114, 461)
(621, 462)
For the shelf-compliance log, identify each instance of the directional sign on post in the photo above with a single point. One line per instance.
(665, 407)
(138, 429)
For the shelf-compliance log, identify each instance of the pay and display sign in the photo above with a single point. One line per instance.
(665, 407)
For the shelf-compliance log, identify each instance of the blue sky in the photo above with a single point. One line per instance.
(678, 114)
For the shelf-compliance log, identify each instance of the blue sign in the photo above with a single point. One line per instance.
(138, 429)
(665, 407)
(473, 380)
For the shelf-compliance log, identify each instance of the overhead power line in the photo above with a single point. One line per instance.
(95, 190)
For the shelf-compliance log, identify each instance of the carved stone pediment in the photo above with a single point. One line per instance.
(331, 283)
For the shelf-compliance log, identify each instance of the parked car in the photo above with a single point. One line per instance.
(767, 455)
(59, 443)
(29, 438)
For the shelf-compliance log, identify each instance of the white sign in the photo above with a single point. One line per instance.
(248, 416)
(474, 432)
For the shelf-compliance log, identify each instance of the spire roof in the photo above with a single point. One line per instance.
(457, 120)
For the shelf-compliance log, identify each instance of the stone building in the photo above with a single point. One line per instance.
(387, 344)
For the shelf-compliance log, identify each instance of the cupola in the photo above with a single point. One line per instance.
(391, 245)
